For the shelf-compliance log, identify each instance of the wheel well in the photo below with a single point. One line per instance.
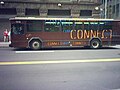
(34, 39)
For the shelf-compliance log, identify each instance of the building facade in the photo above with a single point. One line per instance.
(112, 9)
(46, 8)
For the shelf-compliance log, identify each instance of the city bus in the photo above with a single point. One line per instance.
(36, 33)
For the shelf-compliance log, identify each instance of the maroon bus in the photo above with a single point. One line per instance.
(37, 33)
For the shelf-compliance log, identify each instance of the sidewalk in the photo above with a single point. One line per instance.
(4, 44)
(117, 46)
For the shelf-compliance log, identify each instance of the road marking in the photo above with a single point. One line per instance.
(33, 51)
(59, 61)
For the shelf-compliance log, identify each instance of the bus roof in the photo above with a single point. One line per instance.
(67, 19)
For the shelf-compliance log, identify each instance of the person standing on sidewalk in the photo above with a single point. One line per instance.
(5, 35)
(9, 36)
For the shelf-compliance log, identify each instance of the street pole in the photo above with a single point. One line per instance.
(106, 9)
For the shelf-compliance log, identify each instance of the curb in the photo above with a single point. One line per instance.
(4, 44)
(117, 46)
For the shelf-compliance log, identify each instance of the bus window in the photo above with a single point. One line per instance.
(108, 25)
(101, 25)
(86, 25)
(67, 26)
(93, 26)
(17, 28)
(52, 26)
(78, 26)
(34, 26)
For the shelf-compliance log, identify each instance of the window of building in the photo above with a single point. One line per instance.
(32, 12)
(8, 11)
(34, 26)
(113, 9)
(117, 9)
(85, 12)
(103, 1)
(55, 12)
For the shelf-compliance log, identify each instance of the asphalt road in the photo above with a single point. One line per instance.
(60, 69)
(11, 54)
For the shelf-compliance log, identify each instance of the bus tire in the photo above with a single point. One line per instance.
(95, 44)
(35, 44)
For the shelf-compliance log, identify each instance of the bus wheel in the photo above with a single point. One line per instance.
(95, 43)
(35, 44)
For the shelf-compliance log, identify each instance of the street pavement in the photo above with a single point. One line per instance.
(72, 76)
(59, 69)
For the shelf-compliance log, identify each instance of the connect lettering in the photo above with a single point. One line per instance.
(87, 34)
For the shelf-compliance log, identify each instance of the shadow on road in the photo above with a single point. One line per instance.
(70, 48)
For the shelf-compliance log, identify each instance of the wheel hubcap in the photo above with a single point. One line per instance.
(36, 45)
(95, 44)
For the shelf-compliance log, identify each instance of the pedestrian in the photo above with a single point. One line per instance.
(9, 36)
(5, 35)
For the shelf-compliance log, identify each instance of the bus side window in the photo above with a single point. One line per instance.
(86, 26)
(101, 25)
(52, 26)
(108, 25)
(78, 25)
(67, 26)
(34, 26)
(93, 26)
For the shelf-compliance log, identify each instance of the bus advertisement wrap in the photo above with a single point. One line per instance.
(87, 34)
